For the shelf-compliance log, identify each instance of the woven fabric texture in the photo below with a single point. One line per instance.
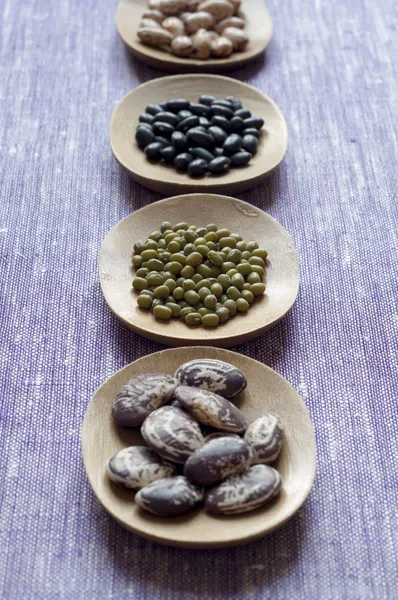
(331, 67)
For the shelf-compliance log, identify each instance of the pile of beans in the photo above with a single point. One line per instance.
(194, 28)
(208, 136)
(199, 445)
(202, 275)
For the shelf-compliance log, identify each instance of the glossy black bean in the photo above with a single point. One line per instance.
(206, 100)
(144, 136)
(164, 105)
(218, 152)
(225, 103)
(183, 114)
(188, 123)
(204, 121)
(153, 109)
(251, 131)
(202, 153)
(222, 122)
(200, 109)
(250, 143)
(146, 119)
(152, 151)
(236, 103)
(219, 165)
(200, 137)
(255, 122)
(178, 104)
(162, 140)
(236, 125)
(232, 144)
(163, 128)
(168, 154)
(179, 141)
(219, 134)
(222, 111)
(182, 161)
(197, 168)
(240, 158)
(243, 113)
(167, 117)
(147, 125)
(201, 128)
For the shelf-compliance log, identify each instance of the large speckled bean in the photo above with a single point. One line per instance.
(137, 466)
(169, 497)
(213, 375)
(244, 492)
(265, 437)
(140, 396)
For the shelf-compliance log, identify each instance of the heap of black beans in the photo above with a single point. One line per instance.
(208, 136)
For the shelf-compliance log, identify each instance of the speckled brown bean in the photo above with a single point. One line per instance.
(154, 36)
(244, 492)
(169, 497)
(199, 20)
(155, 15)
(201, 44)
(238, 38)
(218, 458)
(222, 47)
(174, 25)
(220, 9)
(182, 45)
(171, 7)
(172, 433)
(211, 409)
(230, 22)
(140, 396)
(137, 466)
(214, 375)
(265, 438)
(149, 23)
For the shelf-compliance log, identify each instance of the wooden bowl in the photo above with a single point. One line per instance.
(165, 179)
(258, 28)
(282, 274)
(266, 392)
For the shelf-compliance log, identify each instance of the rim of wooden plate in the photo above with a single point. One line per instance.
(258, 28)
(282, 274)
(267, 391)
(165, 179)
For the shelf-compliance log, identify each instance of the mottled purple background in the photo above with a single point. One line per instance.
(330, 68)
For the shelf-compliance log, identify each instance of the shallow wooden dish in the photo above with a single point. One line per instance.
(165, 179)
(258, 29)
(282, 275)
(266, 392)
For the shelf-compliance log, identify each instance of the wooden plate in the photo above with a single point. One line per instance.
(282, 275)
(266, 392)
(165, 179)
(258, 29)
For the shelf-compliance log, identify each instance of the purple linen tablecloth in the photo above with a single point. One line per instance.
(331, 67)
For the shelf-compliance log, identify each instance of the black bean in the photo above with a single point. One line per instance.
(218, 152)
(236, 124)
(168, 154)
(202, 153)
(206, 100)
(251, 131)
(197, 168)
(219, 134)
(146, 125)
(219, 165)
(182, 161)
(179, 141)
(250, 143)
(177, 104)
(225, 103)
(188, 123)
(222, 122)
(200, 137)
(146, 119)
(222, 111)
(200, 127)
(243, 113)
(144, 136)
(255, 122)
(236, 103)
(167, 117)
(153, 151)
(153, 109)
(183, 114)
(232, 144)
(203, 121)
(240, 159)
(164, 105)
(162, 140)
(200, 109)
(163, 128)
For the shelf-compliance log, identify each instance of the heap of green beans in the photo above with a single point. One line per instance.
(202, 275)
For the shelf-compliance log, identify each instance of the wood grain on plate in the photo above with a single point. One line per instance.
(165, 179)
(282, 273)
(258, 28)
(266, 392)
